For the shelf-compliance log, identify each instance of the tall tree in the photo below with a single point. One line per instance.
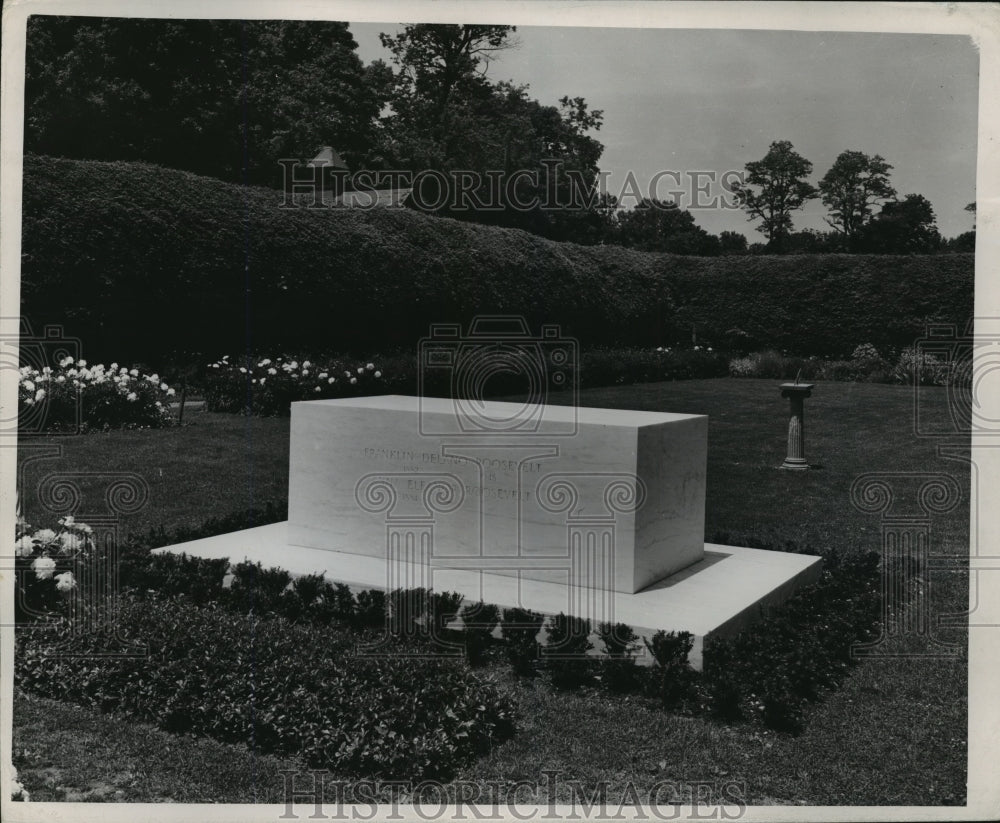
(779, 188)
(852, 187)
(447, 116)
(225, 98)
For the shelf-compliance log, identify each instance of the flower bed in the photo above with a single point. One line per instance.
(77, 397)
(267, 386)
(910, 366)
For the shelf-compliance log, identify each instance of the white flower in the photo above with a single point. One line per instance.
(215, 365)
(317, 389)
(44, 536)
(272, 371)
(132, 397)
(24, 547)
(294, 364)
(370, 366)
(82, 364)
(170, 392)
(84, 528)
(29, 401)
(265, 362)
(243, 370)
(378, 374)
(709, 348)
(332, 380)
(39, 395)
(43, 567)
(113, 367)
(29, 385)
(71, 542)
(164, 387)
(323, 375)
(60, 379)
(65, 582)
(66, 361)
(68, 521)
(306, 364)
(354, 380)
(133, 372)
(361, 371)
(305, 372)
(154, 378)
(46, 370)
(261, 380)
(347, 374)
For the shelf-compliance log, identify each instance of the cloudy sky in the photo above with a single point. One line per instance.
(702, 100)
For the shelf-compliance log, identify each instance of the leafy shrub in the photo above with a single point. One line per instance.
(76, 397)
(670, 679)
(566, 652)
(267, 387)
(918, 368)
(520, 628)
(771, 670)
(196, 578)
(479, 621)
(273, 685)
(257, 590)
(618, 670)
(420, 615)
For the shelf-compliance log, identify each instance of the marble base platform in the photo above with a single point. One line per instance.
(719, 595)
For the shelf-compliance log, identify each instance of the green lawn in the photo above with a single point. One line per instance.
(894, 733)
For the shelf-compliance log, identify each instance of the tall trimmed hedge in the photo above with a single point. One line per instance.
(139, 261)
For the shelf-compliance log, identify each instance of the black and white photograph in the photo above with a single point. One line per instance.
(489, 411)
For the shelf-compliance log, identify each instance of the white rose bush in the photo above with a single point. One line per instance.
(46, 565)
(76, 396)
(267, 386)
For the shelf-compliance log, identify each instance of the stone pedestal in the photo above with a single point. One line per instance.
(796, 394)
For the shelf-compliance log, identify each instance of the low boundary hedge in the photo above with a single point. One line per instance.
(275, 686)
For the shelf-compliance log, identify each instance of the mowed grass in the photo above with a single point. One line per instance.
(895, 733)
(213, 465)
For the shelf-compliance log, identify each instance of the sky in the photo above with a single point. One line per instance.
(683, 101)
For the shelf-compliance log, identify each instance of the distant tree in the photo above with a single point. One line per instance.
(774, 187)
(661, 226)
(971, 207)
(852, 187)
(965, 242)
(224, 98)
(732, 242)
(906, 226)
